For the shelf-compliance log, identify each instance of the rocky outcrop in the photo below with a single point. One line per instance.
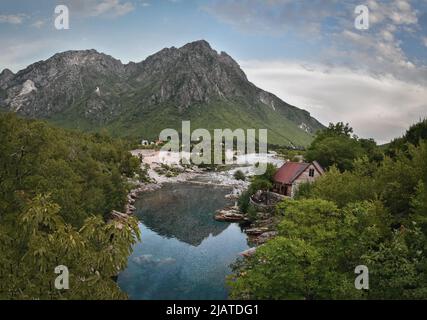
(5, 76)
(132, 197)
(230, 214)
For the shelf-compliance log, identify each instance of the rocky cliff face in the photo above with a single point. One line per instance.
(97, 89)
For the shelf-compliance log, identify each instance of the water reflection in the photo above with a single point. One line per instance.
(184, 253)
(183, 211)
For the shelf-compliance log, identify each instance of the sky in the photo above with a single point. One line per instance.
(307, 52)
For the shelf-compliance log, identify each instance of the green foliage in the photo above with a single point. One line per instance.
(398, 268)
(243, 201)
(280, 271)
(239, 175)
(374, 214)
(304, 190)
(85, 176)
(83, 173)
(413, 136)
(260, 184)
(252, 213)
(393, 181)
(282, 127)
(269, 173)
(264, 181)
(40, 240)
(335, 146)
(319, 246)
(331, 187)
(419, 207)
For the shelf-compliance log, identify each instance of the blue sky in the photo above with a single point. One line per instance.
(308, 52)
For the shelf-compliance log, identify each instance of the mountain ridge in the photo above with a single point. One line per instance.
(88, 90)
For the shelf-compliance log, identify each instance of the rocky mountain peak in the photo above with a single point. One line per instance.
(6, 72)
(98, 89)
(199, 45)
(192, 74)
(5, 76)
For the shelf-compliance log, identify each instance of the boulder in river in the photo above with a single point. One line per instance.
(248, 253)
(230, 215)
(256, 231)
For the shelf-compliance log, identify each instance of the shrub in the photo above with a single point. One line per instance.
(239, 175)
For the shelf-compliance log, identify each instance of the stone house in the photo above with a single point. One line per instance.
(292, 174)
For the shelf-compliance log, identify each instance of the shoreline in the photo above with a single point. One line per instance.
(257, 231)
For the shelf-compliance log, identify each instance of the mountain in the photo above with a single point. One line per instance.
(88, 90)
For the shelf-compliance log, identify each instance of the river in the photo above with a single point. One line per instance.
(183, 253)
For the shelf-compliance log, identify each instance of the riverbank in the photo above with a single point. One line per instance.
(183, 252)
(164, 168)
(179, 233)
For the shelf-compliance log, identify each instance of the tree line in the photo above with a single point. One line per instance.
(57, 190)
(370, 208)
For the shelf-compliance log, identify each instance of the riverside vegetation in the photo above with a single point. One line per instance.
(370, 208)
(57, 190)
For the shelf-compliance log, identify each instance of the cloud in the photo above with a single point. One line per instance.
(17, 54)
(331, 24)
(38, 23)
(95, 8)
(13, 18)
(274, 16)
(377, 107)
(424, 40)
(112, 7)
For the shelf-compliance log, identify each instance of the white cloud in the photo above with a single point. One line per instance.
(38, 24)
(94, 8)
(379, 49)
(112, 7)
(378, 107)
(424, 41)
(13, 18)
(18, 54)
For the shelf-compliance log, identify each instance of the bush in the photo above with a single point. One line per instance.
(252, 213)
(239, 175)
(244, 201)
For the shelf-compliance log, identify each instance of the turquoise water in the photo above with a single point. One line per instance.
(184, 253)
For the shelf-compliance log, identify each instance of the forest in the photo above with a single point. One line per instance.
(370, 209)
(57, 190)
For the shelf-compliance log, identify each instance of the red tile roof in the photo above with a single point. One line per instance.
(290, 171)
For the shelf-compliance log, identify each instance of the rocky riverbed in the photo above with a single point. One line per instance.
(259, 231)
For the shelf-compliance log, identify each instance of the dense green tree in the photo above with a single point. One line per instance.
(335, 146)
(413, 136)
(39, 241)
(239, 175)
(398, 268)
(419, 207)
(85, 177)
(311, 258)
(83, 173)
(373, 215)
(262, 182)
